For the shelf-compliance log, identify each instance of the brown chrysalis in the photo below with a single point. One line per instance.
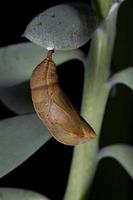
(54, 108)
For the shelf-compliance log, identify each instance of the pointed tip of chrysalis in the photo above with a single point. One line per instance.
(92, 134)
(49, 55)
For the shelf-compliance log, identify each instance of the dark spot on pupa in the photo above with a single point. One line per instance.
(53, 16)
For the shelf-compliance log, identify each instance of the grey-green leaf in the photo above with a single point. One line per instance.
(65, 26)
(20, 137)
(122, 153)
(18, 98)
(124, 77)
(20, 194)
(18, 61)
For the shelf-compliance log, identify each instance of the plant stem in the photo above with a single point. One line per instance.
(95, 95)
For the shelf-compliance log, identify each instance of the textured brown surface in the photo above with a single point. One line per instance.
(54, 108)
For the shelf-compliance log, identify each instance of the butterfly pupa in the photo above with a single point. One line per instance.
(54, 108)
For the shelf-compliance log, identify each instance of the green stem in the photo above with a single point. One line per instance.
(95, 96)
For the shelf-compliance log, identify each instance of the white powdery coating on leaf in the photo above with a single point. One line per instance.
(65, 26)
